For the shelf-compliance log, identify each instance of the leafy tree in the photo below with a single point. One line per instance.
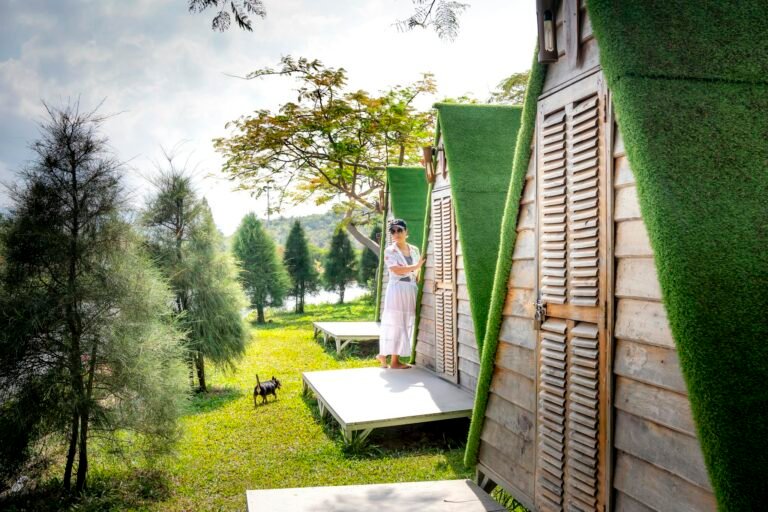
(298, 262)
(511, 90)
(369, 261)
(87, 347)
(263, 275)
(332, 144)
(441, 15)
(190, 252)
(339, 264)
(239, 8)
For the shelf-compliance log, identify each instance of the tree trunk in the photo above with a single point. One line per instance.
(71, 452)
(82, 463)
(300, 301)
(260, 313)
(200, 363)
(341, 294)
(364, 240)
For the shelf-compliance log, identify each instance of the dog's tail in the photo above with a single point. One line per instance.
(258, 382)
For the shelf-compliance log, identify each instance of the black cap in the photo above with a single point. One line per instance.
(398, 222)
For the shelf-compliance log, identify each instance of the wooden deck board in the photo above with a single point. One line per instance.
(349, 330)
(440, 496)
(366, 398)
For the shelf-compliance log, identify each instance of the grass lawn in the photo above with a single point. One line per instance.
(228, 446)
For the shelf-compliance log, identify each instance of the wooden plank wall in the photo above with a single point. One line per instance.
(469, 366)
(507, 445)
(658, 461)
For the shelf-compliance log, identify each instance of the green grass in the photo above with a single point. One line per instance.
(228, 446)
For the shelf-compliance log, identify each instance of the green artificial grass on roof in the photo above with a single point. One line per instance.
(503, 266)
(479, 148)
(408, 199)
(690, 91)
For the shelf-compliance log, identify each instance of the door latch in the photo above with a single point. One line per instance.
(540, 314)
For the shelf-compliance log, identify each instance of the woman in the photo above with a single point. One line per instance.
(397, 318)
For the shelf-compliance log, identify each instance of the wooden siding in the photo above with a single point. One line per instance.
(507, 445)
(659, 465)
(468, 357)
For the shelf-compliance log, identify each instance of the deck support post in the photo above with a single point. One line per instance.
(484, 481)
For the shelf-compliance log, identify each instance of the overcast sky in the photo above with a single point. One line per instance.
(165, 71)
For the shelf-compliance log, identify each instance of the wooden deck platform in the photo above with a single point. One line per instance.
(440, 496)
(362, 399)
(344, 333)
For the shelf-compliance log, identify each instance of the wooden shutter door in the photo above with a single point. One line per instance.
(572, 375)
(443, 230)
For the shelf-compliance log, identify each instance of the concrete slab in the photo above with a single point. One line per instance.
(344, 333)
(440, 496)
(361, 399)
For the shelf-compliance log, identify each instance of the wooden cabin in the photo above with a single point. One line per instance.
(587, 406)
(469, 178)
(407, 200)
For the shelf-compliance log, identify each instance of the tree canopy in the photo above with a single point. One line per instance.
(339, 269)
(263, 276)
(298, 262)
(331, 144)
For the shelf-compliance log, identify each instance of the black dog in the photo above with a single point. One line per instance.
(263, 389)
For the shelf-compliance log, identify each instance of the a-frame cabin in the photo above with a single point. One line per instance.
(631, 282)
(469, 178)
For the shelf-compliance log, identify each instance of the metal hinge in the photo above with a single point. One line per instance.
(540, 314)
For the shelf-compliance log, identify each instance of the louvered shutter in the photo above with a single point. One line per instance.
(443, 232)
(571, 353)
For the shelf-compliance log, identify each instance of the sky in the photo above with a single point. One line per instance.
(168, 78)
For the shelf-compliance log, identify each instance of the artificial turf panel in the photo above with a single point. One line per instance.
(479, 147)
(689, 87)
(408, 199)
(504, 257)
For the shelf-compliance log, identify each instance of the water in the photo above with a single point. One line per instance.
(351, 293)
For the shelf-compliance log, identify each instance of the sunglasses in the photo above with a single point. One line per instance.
(396, 230)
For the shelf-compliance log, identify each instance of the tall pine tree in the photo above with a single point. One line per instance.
(369, 262)
(298, 262)
(190, 252)
(340, 263)
(86, 344)
(262, 274)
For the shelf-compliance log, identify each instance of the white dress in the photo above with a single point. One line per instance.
(399, 313)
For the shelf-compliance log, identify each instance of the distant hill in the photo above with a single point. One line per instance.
(318, 228)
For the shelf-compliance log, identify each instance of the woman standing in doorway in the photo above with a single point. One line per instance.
(403, 262)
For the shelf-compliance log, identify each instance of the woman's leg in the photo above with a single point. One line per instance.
(382, 360)
(396, 364)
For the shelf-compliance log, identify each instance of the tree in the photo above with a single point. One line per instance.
(87, 345)
(339, 268)
(263, 275)
(441, 15)
(331, 144)
(298, 263)
(511, 90)
(190, 252)
(369, 261)
(239, 8)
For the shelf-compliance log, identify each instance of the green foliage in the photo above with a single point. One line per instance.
(504, 260)
(339, 263)
(262, 274)
(298, 262)
(511, 90)
(213, 317)
(190, 252)
(369, 261)
(332, 144)
(88, 346)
